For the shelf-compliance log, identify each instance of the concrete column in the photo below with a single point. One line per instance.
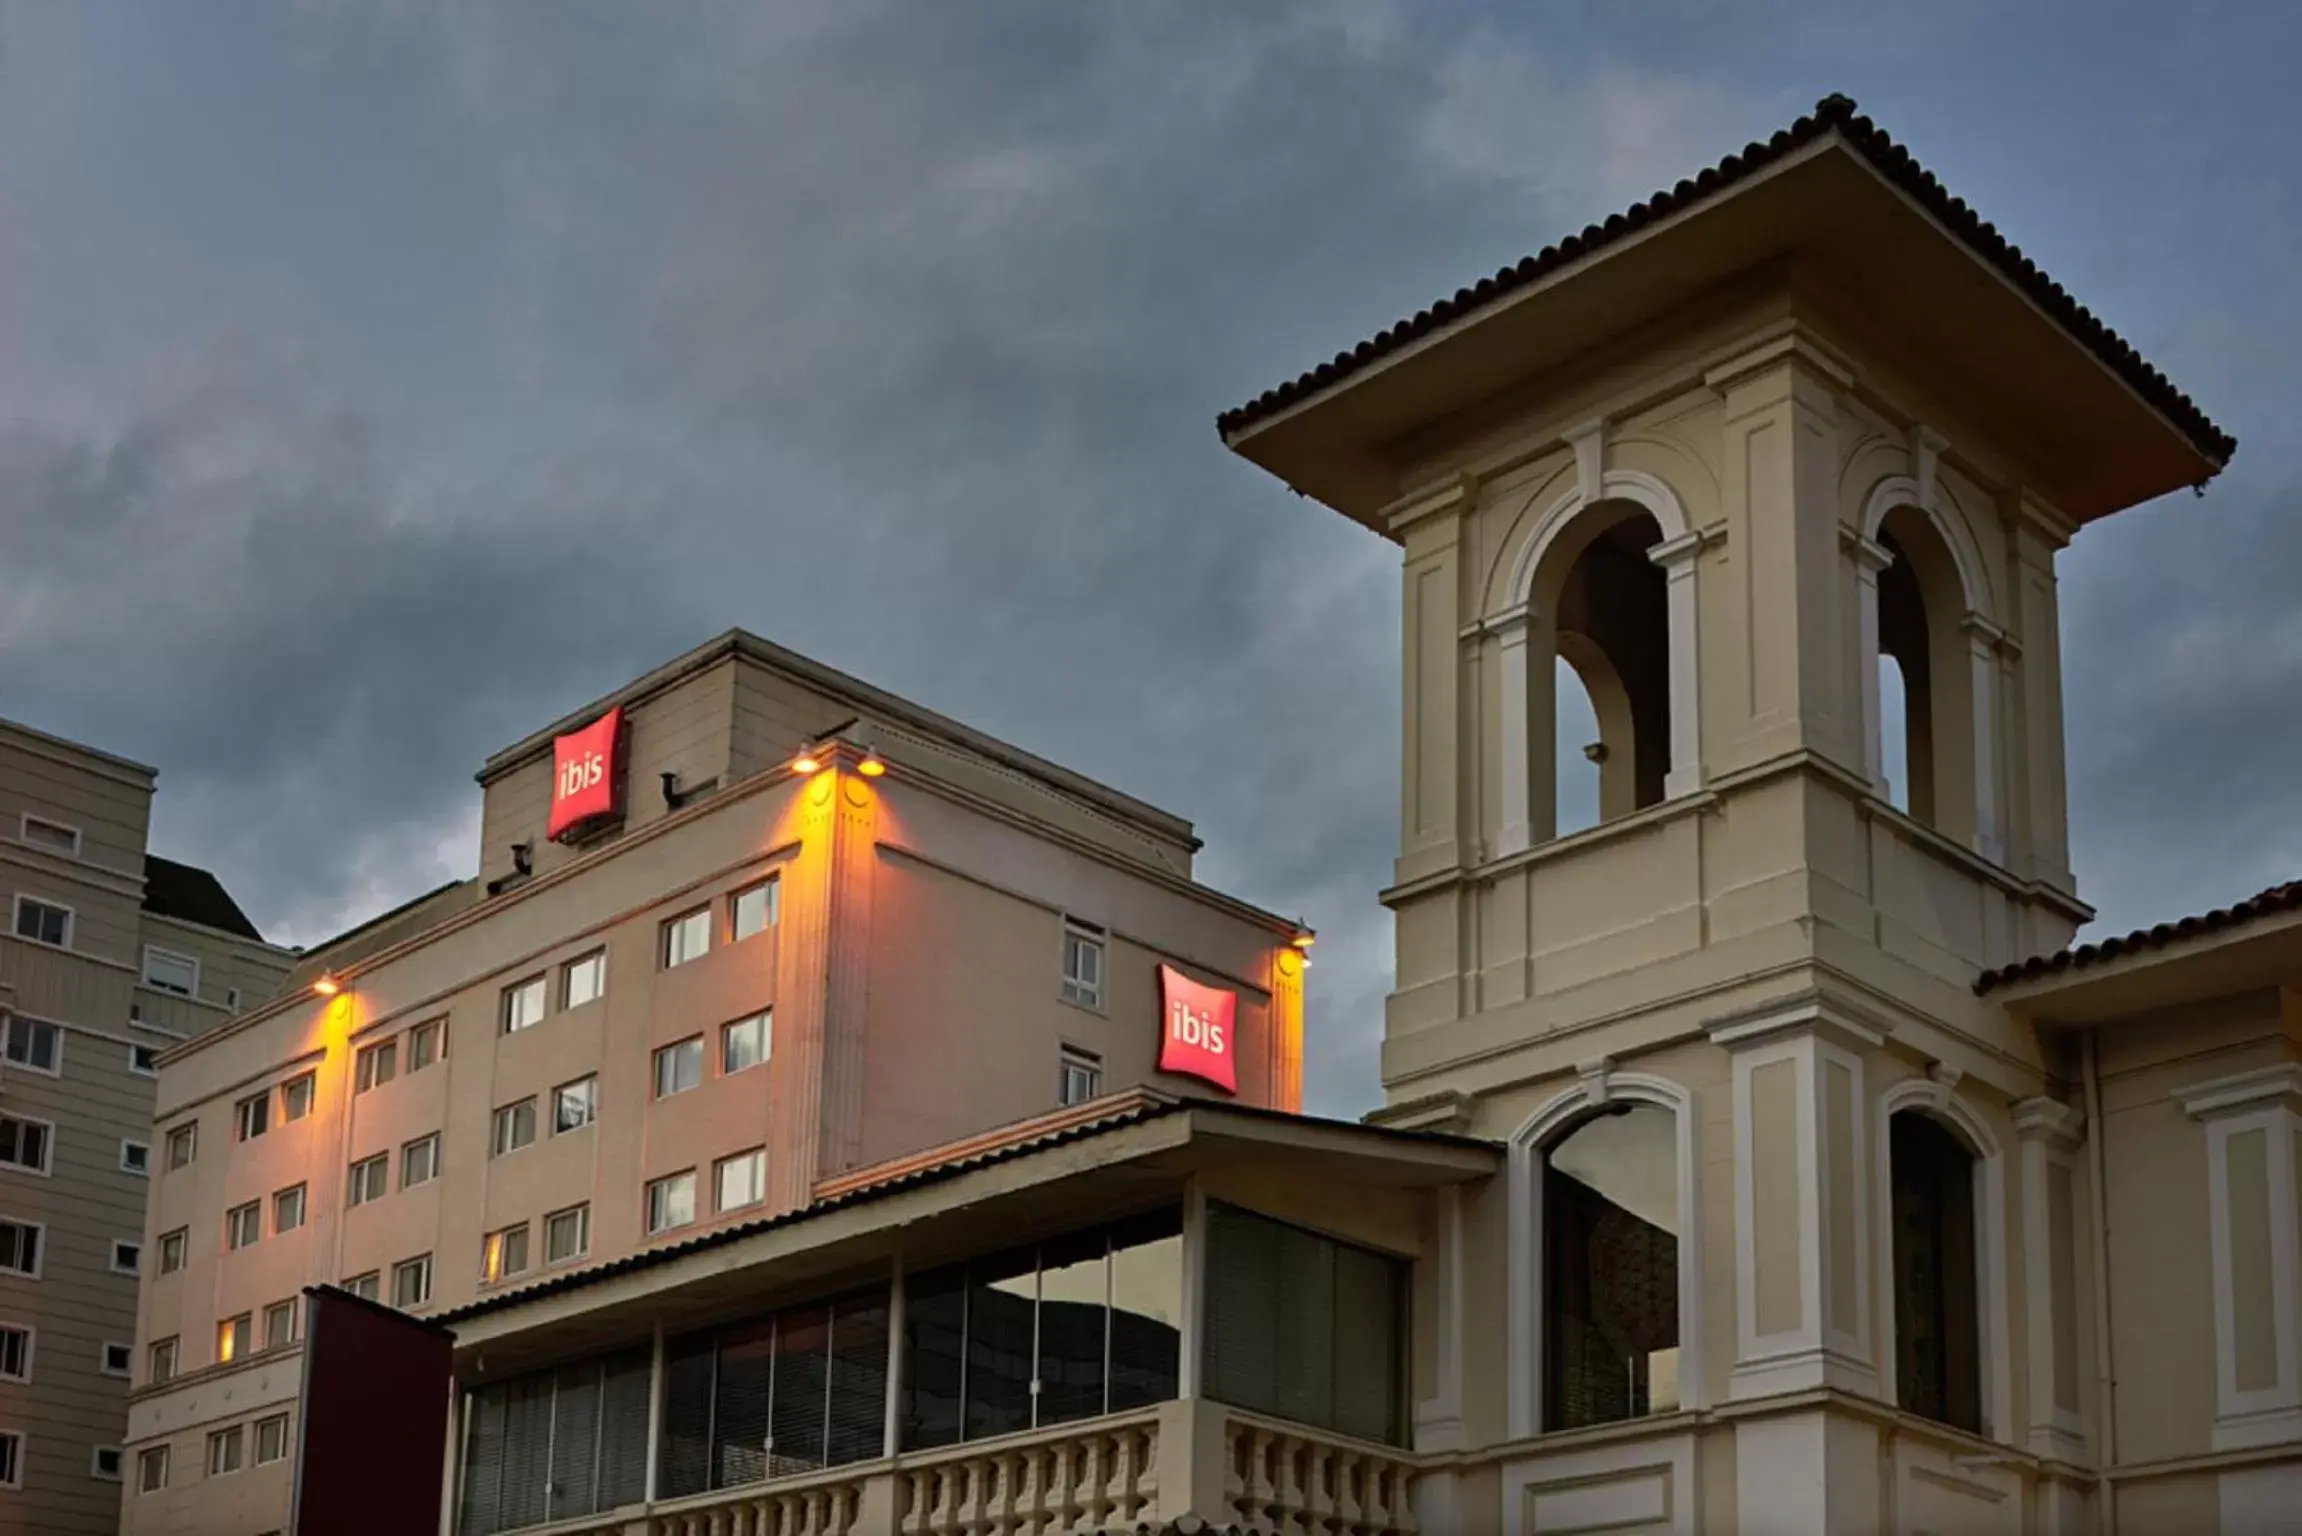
(1515, 781)
(2252, 1121)
(2051, 1134)
(1870, 557)
(1677, 557)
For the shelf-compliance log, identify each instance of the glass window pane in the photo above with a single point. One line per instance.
(1001, 1291)
(802, 1390)
(1074, 1289)
(1610, 1269)
(857, 1427)
(740, 1403)
(934, 1326)
(1146, 1309)
(689, 1366)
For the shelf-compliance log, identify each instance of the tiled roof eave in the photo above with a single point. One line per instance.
(2275, 900)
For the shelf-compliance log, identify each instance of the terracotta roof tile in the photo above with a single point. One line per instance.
(2278, 898)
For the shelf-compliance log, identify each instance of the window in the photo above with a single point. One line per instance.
(288, 1209)
(376, 1065)
(371, 1179)
(412, 1281)
(20, 1247)
(144, 1060)
(745, 1043)
(15, 1352)
(234, 1335)
(183, 1143)
(741, 1180)
(582, 980)
(35, 1043)
(1937, 1323)
(232, 998)
(427, 1043)
(225, 1447)
(515, 1126)
(1085, 1324)
(152, 1469)
(1082, 965)
(252, 1117)
(678, 1066)
(1078, 1077)
(567, 1234)
(11, 1459)
(752, 910)
(173, 1247)
(686, 937)
(119, 1359)
(104, 1461)
(54, 836)
(1610, 1287)
(1303, 1327)
(523, 1006)
(163, 1361)
(420, 1161)
(280, 1324)
(671, 1202)
(368, 1287)
(127, 1257)
(171, 972)
(556, 1445)
(575, 1105)
(272, 1439)
(243, 1224)
(296, 1097)
(26, 1144)
(43, 922)
(136, 1157)
(506, 1253)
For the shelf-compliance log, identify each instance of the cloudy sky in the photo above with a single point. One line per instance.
(377, 382)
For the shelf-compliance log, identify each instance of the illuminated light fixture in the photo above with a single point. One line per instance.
(1304, 938)
(871, 767)
(327, 985)
(806, 762)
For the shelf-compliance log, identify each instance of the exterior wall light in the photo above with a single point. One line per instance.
(327, 985)
(807, 762)
(871, 767)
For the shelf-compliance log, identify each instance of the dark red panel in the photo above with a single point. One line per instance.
(373, 1427)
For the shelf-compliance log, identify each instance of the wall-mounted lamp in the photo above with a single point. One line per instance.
(327, 985)
(807, 762)
(872, 766)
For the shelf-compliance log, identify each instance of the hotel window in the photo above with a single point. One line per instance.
(20, 1247)
(288, 1209)
(583, 979)
(1610, 1260)
(252, 1117)
(243, 1224)
(1082, 964)
(412, 1281)
(26, 1144)
(368, 1287)
(371, 1179)
(686, 937)
(376, 1065)
(15, 1352)
(296, 1098)
(1079, 1076)
(36, 1044)
(152, 1469)
(1080, 1325)
(136, 1157)
(556, 1445)
(173, 1246)
(506, 1253)
(183, 1144)
(11, 1459)
(678, 1066)
(54, 836)
(119, 1359)
(515, 1126)
(234, 1335)
(280, 1324)
(574, 1105)
(752, 910)
(427, 1042)
(420, 1161)
(1937, 1318)
(272, 1439)
(523, 1006)
(104, 1462)
(144, 1060)
(671, 1202)
(163, 1361)
(168, 971)
(225, 1447)
(1303, 1327)
(43, 922)
(567, 1234)
(745, 1043)
(740, 1180)
(127, 1257)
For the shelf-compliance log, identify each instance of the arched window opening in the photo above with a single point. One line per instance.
(1580, 750)
(1937, 1316)
(1614, 631)
(1905, 645)
(1894, 731)
(1610, 1234)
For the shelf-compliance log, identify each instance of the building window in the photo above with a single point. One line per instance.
(152, 1469)
(36, 1044)
(376, 1065)
(171, 972)
(136, 1157)
(412, 1281)
(43, 922)
(104, 1463)
(368, 1287)
(1937, 1321)
(280, 1324)
(183, 1143)
(745, 1043)
(420, 1161)
(272, 1439)
(523, 1006)
(506, 1253)
(583, 979)
(225, 1447)
(243, 1224)
(296, 1097)
(163, 1361)
(15, 1352)
(233, 1337)
(371, 1179)
(1079, 1076)
(119, 1359)
(127, 1257)
(686, 937)
(252, 1117)
(1080, 1325)
(741, 1180)
(1303, 1327)
(26, 1144)
(574, 1105)
(1082, 965)
(559, 1444)
(173, 1246)
(144, 1060)
(1610, 1222)
(427, 1043)
(288, 1209)
(678, 1066)
(671, 1202)
(20, 1247)
(54, 836)
(567, 1234)
(752, 910)
(515, 1126)
(232, 998)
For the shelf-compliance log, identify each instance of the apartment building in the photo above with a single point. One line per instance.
(742, 928)
(111, 955)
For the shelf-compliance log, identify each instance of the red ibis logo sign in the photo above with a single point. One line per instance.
(587, 777)
(1201, 1030)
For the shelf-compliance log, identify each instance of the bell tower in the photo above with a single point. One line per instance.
(1773, 468)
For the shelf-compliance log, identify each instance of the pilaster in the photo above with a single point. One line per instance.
(2252, 1121)
(1434, 719)
(2051, 1134)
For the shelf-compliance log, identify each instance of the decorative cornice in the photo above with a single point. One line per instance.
(2051, 1121)
(2261, 1088)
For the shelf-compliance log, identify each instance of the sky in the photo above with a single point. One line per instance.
(378, 382)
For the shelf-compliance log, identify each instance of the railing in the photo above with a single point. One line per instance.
(1291, 1481)
(832, 1509)
(1096, 1478)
